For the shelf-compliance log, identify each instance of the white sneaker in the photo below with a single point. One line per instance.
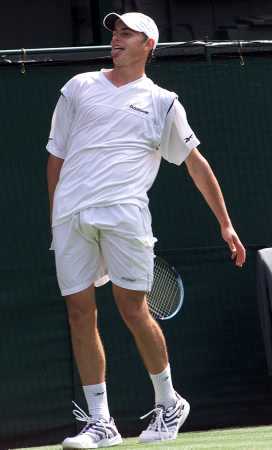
(165, 422)
(96, 433)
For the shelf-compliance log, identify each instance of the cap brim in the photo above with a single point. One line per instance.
(109, 20)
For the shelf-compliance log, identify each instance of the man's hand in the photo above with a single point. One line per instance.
(238, 252)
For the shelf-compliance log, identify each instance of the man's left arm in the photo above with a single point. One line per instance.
(205, 180)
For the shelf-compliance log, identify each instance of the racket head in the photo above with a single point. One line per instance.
(167, 293)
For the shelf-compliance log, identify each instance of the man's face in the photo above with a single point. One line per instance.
(128, 46)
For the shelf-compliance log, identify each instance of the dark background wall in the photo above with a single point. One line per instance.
(216, 346)
(38, 23)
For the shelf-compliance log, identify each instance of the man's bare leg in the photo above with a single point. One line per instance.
(90, 359)
(148, 335)
(87, 346)
(150, 341)
(171, 409)
(88, 351)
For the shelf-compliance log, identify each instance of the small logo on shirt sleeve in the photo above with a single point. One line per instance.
(187, 139)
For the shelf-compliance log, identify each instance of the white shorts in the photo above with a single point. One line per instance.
(114, 241)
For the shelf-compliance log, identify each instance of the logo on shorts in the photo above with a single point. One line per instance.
(128, 279)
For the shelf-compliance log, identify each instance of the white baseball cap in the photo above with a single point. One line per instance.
(135, 21)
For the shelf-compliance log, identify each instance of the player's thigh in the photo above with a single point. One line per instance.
(77, 259)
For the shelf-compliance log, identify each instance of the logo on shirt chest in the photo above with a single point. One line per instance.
(136, 108)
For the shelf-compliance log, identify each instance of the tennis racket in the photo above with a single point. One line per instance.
(166, 296)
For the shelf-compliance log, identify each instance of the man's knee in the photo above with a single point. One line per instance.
(132, 306)
(81, 308)
(134, 318)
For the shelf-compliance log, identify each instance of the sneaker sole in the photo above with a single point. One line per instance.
(104, 443)
(74, 447)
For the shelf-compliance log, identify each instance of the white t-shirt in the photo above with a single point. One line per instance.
(112, 140)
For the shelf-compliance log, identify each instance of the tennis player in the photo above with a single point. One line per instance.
(109, 131)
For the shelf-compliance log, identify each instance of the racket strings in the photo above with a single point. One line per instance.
(168, 288)
(164, 298)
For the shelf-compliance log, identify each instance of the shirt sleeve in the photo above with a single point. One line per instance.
(178, 138)
(60, 127)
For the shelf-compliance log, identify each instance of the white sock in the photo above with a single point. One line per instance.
(164, 392)
(97, 401)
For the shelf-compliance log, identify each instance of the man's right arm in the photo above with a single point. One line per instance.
(57, 143)
(54, 165)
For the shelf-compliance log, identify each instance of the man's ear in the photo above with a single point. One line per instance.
(150, 43)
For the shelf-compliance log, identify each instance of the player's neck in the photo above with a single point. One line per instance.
(123, 75)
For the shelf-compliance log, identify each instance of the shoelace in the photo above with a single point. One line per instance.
(157, 423)
(81, 416)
